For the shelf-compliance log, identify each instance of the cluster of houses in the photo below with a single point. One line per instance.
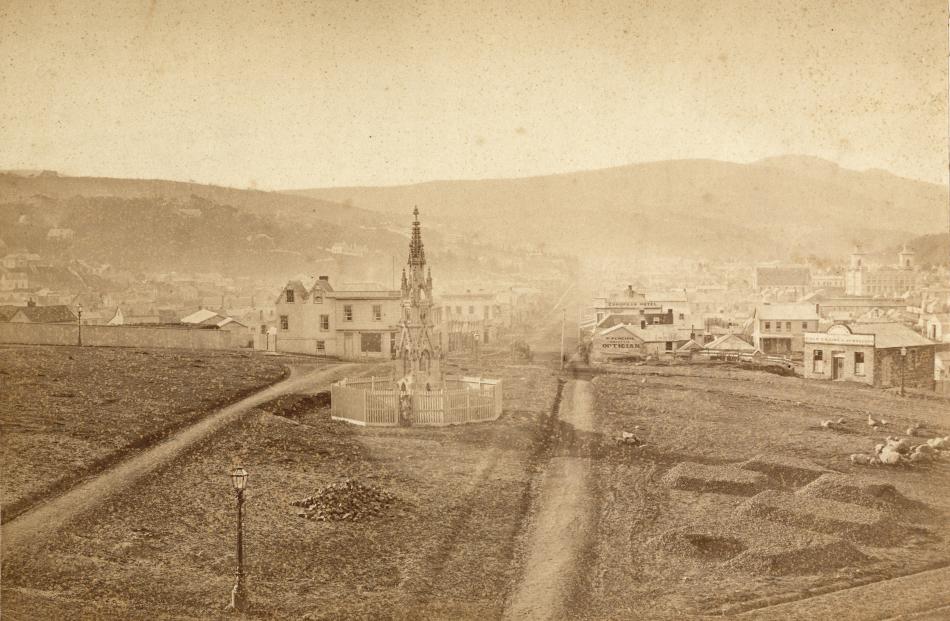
(879, 325)
(882, 354)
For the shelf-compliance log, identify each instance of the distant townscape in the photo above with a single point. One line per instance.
(88, 252)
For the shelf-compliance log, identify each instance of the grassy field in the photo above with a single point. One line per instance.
(69, 411)
(446, 548)
(670, 553)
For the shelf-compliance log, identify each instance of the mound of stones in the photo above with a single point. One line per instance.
(348, 500)
(786, 470)
(695, 477)
(820, 515)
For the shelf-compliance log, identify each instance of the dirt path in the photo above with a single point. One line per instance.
(562, 521)
(47, 517)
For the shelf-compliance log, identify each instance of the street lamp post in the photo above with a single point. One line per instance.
(903, 360)
(80, 325)
(238, 593)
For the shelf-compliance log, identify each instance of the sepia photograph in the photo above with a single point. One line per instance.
(490, 310)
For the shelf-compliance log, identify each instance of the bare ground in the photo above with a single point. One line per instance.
(52, 515)
(561, 522)
(163, 547)
(70, 412)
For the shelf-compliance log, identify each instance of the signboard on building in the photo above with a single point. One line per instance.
(618, 342)
(822, 338)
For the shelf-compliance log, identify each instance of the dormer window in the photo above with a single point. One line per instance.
(289, 296)
(317, 296)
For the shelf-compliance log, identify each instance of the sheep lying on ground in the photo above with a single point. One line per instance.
(864, 460)
(894, 451)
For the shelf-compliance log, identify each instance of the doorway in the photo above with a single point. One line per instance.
(837, 366)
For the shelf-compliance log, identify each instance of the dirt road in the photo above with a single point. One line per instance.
(46, 518)
(562, 520)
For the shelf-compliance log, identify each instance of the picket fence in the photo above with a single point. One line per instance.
(375, 402)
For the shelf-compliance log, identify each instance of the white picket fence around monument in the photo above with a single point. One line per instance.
(374, 402)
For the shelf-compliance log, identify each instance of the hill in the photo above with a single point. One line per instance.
(157, 226)
(768, 209)
(930, 249)
(54, 189)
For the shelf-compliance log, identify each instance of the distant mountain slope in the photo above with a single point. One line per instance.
(16, 188)
(931, 249)
(156, 226)
(771, 208)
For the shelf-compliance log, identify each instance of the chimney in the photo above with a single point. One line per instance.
(325, 278)
(643, 324)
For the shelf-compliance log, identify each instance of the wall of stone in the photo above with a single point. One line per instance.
(118, 336)
(918, 368)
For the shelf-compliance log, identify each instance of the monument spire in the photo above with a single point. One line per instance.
(417, 255)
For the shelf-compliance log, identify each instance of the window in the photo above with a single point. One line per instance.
(263, 329)
(669, 346)
(377, 312)
(284, 322)
(788, 326)
(818, 361)
(778, 326)
(768, 326)
(804, 325)
(348, 312)
(486, 310)
(497, 310)
(471, 310)
(458, 310)
(317, 297)
(289, 296)
(321, 346)
(859, 363)
(324, 323)
(682, 316)
(371, 342)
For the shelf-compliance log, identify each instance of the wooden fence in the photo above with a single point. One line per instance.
(375, 402)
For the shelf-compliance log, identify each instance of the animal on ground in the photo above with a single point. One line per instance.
(864, 459)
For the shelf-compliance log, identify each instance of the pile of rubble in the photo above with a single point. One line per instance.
(348, 500)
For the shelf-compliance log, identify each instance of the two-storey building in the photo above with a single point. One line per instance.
(780, 328)
(351, 325)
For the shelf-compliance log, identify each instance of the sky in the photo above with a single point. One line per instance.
(290, 94)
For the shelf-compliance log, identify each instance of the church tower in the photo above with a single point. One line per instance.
(419, 357)
(855, 276)
(905, 258)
